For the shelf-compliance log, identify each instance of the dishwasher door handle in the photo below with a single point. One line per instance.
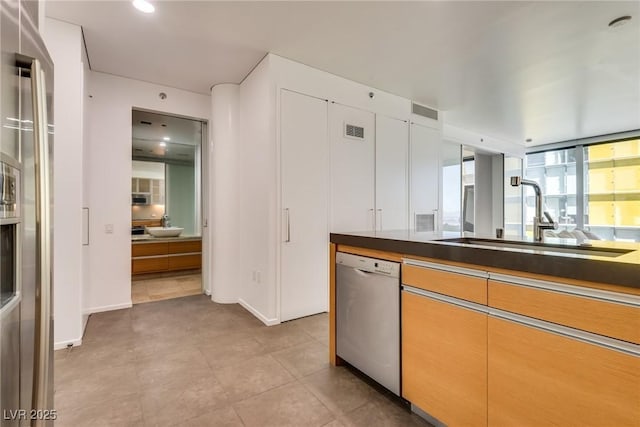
(363, 271)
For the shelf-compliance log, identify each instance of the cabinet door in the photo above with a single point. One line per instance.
(444, 360)
(304, 177)
(424, 177)
(392, 187)
(538, 378)
(352, 168)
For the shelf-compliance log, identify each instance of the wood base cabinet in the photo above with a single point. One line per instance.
(444, 357)
(541, 378)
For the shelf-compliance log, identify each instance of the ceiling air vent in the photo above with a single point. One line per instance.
(353, 131)
(144, 122)
(423, 111)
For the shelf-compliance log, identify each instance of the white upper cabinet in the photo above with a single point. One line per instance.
(392, 182)
(424, 177)
(351, 132)
(304, 152)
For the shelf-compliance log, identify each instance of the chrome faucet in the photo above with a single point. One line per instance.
(165, 222)
(539, 223)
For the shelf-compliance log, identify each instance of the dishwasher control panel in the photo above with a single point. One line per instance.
(369, 265)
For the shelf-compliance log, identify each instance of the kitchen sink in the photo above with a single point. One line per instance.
(165, 231)
(545, 247)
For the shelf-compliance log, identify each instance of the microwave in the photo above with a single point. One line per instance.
(140, 199)
(9, 231)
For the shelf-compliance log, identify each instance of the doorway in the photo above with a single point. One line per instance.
(166, 208)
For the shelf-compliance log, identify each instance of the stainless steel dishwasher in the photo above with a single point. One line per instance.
(368, 317)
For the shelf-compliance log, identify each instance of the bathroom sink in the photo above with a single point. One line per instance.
(543, 247)
(164, 231)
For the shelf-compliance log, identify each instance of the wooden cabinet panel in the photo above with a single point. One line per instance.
(148, 249)
(456, 285)
(444, 360)
(537, 378)
(185, 247)
(148, 265)
(601, 317)
(184, 262)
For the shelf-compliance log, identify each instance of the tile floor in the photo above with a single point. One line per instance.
(191, 362)
(162, 288)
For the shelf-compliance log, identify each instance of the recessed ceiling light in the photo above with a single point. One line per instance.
(163, 144)
(166, 138)
(618, 22)
(144, 6)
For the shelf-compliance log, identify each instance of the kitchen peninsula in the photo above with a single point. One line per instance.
(497, 332)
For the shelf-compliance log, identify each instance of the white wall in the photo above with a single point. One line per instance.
(257, 194)
(64, 42)
(109, 178)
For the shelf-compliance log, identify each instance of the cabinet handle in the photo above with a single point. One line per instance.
(373, 218)
(380, 211)
(446, 268)
(435, 220)
(576, 334)
(288, 239)
(597, 294)
(446, 299)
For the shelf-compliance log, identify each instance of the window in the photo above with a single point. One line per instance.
(590, 189)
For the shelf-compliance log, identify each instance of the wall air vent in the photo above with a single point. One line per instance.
(423, 111)
(143, 122)
(353, 131)
(425, 222)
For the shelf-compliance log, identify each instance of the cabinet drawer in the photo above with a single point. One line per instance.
(444, 360)
(458, 285)
(149, 265)
(611, 319)
(184, 262)
(148, 249)
(185, 247)
(538, 378)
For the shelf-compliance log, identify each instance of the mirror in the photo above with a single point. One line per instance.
(451, 186)
(165, 174)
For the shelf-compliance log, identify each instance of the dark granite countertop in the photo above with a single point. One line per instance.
(623, 269)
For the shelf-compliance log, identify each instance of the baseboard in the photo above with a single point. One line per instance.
(108, 308)
(85, 320)
(260, 316)
(64, 344)
(207, 292)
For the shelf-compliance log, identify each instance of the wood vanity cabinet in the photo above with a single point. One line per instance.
(158, 257)
(444, 343)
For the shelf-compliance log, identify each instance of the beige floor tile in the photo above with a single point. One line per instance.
(173, 403)
(164, 288)
(382, 412)
(339, 389)
(279, 337)
(121, 412)
(289, 405)
(303, 359)
(252, 377)
(224, 417)
(188, 361)
(163, 368)
(229, 349)
(93, 387)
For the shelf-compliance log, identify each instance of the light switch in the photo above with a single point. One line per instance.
(108, 228)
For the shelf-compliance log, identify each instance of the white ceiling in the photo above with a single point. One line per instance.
(550, 71)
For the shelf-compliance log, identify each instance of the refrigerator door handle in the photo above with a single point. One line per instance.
(43, 238)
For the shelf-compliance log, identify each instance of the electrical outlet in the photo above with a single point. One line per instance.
(108, 228)
(258, 276)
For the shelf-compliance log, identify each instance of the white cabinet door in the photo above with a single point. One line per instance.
(425, 173)
(392, 187)
(304, 178)
(352, 168)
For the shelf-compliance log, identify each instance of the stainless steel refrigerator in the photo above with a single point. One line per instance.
(26, 323)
